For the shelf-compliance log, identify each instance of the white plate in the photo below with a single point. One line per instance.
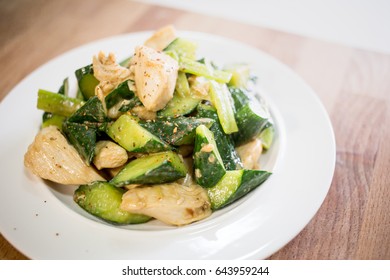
(41, 220)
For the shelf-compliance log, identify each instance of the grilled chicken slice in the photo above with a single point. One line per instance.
(155, 75)
(51, 157)
(109, 155)
(172, 203)
(250, 153)
(109, 73)
(161, 38)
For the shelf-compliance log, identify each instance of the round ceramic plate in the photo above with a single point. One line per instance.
(41, 220)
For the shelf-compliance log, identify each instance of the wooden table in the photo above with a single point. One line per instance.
(354, 86)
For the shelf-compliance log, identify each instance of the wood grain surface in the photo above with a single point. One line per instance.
(354, 86)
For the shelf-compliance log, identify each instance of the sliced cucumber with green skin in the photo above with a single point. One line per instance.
(127, 105)
(64, 88)
(183, 48)
(267, 136)
(252, 116)
(234, 185)
(82, 137)
(251, 120)
(155, 168)
(183, 102)
(179, 106)
(199, 69)
(120, 93)
(121, 99)
(103, 200)
(134, 138)
(208, 164)
(176, 131)
(224, 142)
(57, 103)
(91, 113)
(240, 96)
(52, 119)
(182, 86)
(240, 75)
(87, 81)
(83, 127)
(221, 99)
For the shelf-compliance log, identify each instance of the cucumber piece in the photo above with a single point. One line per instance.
(103, 201)
(134, 138)
(267, 136)
(182, 87)
(121, 99)
(176, 131)
(224, 142)
(82, 137)
(130, 104)
(91, 113)
(234, 185)
(54, 119)
(155, 168)
(64, 88)
(199, 69)
(251, 120)
(120, 93)
(179, 106)
(222, 101)
(240, 97)
(208, 164)
(183, 48)
(87, 81)
(252, 116)
(57, 103)
(83, 127)
(49, 119)
(172, 54)
(183, 102)
(240, 75)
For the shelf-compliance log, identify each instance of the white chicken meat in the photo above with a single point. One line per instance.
(161, 38)
(155, 75)
(250, 153)
(51, 157)
(172, 203)
(109, 73)
(109, 155)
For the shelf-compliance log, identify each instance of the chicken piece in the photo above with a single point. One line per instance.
(250, 153)
(109, 155)
(172, 203)
(109, 73)
(155, 76)
(161, 38)
(51, 157)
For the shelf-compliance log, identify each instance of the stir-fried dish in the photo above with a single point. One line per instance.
(164, 134)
